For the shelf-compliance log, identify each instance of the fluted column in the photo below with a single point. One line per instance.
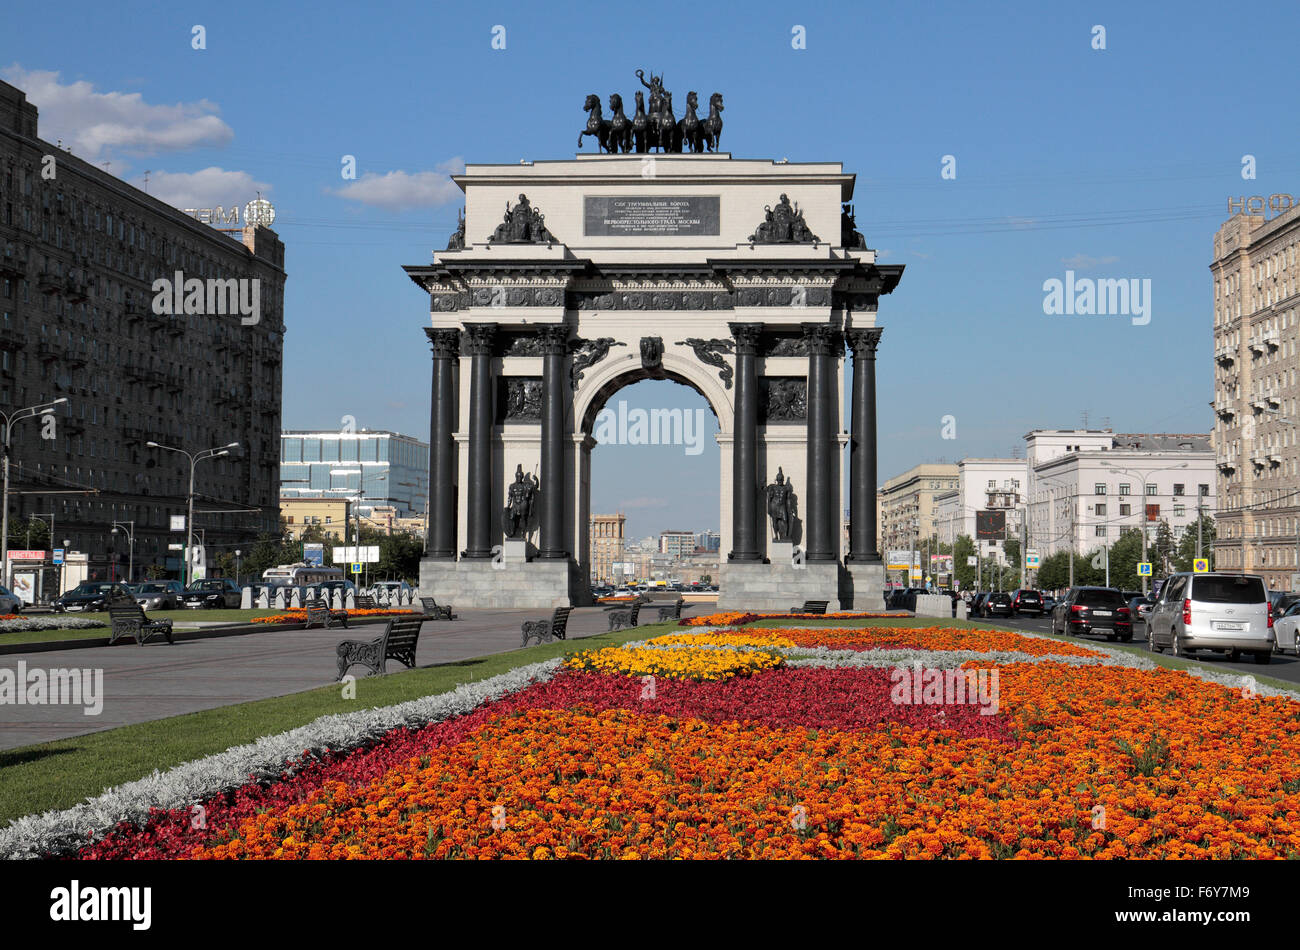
(819, 529)
(862, 450)
(477, 345)
(744, 448)
(554, 340)
(441, 539)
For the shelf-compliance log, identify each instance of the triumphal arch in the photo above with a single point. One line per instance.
(745, 279)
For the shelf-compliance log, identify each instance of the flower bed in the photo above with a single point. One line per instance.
(11, 623)
(299, 615)
(735, 618)
(679, 747)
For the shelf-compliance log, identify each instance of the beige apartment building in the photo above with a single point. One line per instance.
(607, 548)
(1256, 307)
(907, 503)
(328, 514)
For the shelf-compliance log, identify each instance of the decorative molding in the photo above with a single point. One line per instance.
(652, 352)
(789, 295)
(823, 339)
(863, 341)
(588, 353)
(520, 399)
(445, 343)
(786, 346)
(650, 300)
(710, 352)
(747, 337)
(478, 339)
(782, 399)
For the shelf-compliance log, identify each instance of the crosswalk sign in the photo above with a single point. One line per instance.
(1144, 569)
(1201, 565)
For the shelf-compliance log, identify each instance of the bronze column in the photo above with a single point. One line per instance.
(862, 450)
(477, 345)
(554, 339)
(744, 448)
(819, 533)
(441, 540)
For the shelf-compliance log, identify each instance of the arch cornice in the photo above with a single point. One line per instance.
(679, 365)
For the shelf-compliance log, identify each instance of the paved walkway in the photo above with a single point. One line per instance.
(157, 680)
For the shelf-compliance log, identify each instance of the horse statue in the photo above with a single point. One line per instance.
(640, 125)
(689, 131)
(596, 124)
(620, 126)
(713, 124)
(668, 138)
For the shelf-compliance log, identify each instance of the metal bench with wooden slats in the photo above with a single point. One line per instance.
(811, 607)
(546, 630)
(129, 620)
(398, 642)
(321, 614)
(672, 613)
(624, 615)
(434, 611)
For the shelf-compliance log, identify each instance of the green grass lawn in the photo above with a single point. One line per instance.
(60, 774)
(181, 620)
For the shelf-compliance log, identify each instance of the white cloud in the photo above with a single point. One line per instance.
(1084, 262)
(94, 122)
(399, 190)
(204, 189)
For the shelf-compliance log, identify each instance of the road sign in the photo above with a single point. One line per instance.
(356, 568)
(1144, 569)
(1201, 565)
(972, 560)
(1031, 560)
(178, 522)
(27, 555)
(58, 555)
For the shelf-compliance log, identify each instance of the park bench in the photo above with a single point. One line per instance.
(672, 613)
(624, 615)
(811, 607)
(552, 629)
(397, 643)
(433, 611)
(320, 614)
(129, 620)
(366, 602)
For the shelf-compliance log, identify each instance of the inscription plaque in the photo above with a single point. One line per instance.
(650, 215)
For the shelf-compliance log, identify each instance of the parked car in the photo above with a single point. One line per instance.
(976, 608)
(1286, 630)
(157, 596)
(1229, 612)
(1280, 600)
(1049, 604)
(998, 604)
(1027, 602)
(1094, 611)
(92, 595)
(211, 593)
(10, 603)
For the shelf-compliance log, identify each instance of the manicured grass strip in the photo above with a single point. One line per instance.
(181, 620)
(59, 774)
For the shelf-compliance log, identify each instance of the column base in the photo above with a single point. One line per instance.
(499, 583)
(778, 586)
(862, 586)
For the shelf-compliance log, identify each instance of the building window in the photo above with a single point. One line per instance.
(1099, 488)
(1179, 511)
(1178, 489)
(1203, 489)
(1124, 488)
(1125, 510)
(1153, 490)
(1099, 509)
(1101, 531)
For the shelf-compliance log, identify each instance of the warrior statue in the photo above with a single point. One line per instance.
(781, 506)
(519, 510)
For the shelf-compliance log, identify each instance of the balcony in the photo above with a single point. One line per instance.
(46, 352)
(12, 264)
(1224, 410)
(11, 339)
(1266, 402)
(1225, 356)
(1227, 465)
(48, 283)
(75, 357)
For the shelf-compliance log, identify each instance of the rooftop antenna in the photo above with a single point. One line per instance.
(146, 181)
(1085, 419)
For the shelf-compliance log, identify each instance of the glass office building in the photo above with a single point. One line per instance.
(387, 468)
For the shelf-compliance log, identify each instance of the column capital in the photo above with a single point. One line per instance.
(863, 341)
(554, 338)
(445, 343)
(822, 339)
(747, 337)
(478, 339)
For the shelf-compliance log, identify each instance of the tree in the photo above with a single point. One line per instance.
(963, 549)
(1162, 549)
(1054, 571)
(1185, 553)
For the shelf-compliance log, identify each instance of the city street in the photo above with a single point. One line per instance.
(1280, 667)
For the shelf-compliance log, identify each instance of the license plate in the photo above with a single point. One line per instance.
(1097, 629)
(1101, 613)
(1228, 625)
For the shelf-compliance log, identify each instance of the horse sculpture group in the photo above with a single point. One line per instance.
(656, 128)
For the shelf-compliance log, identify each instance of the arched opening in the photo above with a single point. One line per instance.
(651, 488)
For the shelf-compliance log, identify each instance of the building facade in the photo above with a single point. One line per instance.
(677, 543)
(330, 515)
(389, 470)
(1087, 487)
(1256, 308)
(997, 485)
(907, 503)
(81, 257)
(607, 548)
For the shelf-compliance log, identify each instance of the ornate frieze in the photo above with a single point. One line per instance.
(650, 300)
(786, 295)
(520, 399)
(782, 399)
(786, 346)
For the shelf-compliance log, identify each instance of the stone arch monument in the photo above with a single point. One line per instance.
(567, 280)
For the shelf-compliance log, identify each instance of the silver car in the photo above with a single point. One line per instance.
(1228, 612)
(1286, 629)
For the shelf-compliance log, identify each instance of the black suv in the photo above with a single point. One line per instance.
(1094, 610)
(1027, 602)
(998, 604)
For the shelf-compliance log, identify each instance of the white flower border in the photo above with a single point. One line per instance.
(58, 832)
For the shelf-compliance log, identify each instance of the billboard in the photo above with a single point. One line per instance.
(313, 555)
(990, 525)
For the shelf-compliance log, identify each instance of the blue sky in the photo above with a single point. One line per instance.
(1115, 163)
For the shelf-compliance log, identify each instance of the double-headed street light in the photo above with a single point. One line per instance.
(127, 528)
(195, 458)
(9, 419)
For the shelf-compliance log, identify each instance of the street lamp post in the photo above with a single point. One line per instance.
(237, 554)
(195, 458)
(130, 539)
(1144, 476)
(9, 420)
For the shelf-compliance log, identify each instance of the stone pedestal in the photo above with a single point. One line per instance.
(781, 552)
(862, 586)
(507, 583)
(778, 586)
(514, 552)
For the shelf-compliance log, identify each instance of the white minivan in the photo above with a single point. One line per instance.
(1229, 612)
